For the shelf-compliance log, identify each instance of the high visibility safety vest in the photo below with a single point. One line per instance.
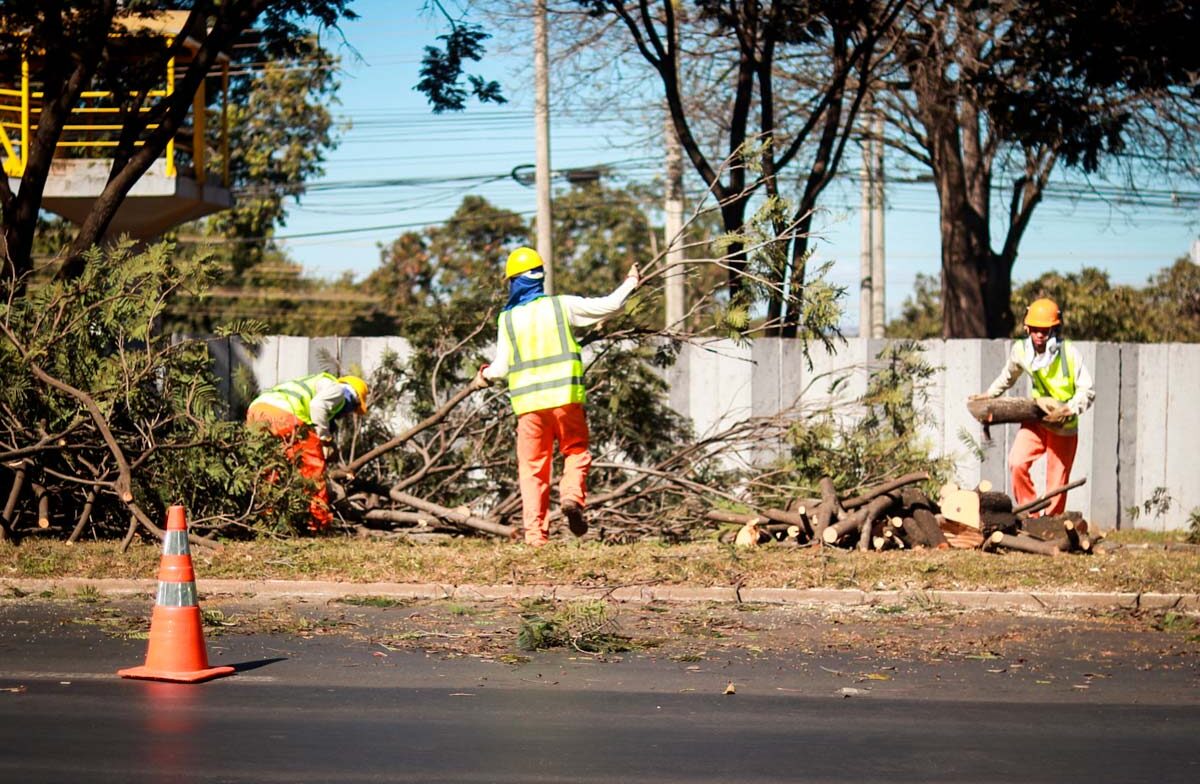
(1056, 380)
(296, 396)
(545, 368)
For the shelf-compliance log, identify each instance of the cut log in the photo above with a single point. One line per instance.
(797, 519)
(827, 511)
(960, 506)
(930, 531)
(804, 506)
(961, 537)
(907, 531)
(913, 497)
(885, 487)
(995, 501)
(1001, 410)
(749, 535)
(1049, 494)
(1050, 527)
(992, 521)
(833, 534)
(43, 504)
(726, 516)
(1024, 544)
(870, 514)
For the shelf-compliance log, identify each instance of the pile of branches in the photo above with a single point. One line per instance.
(455, 472)
(896, 515)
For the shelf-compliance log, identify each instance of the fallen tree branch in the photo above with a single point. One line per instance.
(453, 515)
(886, 487)
(407, 435)
(1048, 495)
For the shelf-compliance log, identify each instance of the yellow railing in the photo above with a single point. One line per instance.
(88, 129)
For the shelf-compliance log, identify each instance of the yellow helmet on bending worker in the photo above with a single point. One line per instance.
(301, 413)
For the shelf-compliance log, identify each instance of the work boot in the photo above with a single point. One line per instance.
(574, 514)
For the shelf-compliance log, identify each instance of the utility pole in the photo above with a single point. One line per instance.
(878, 266)
(866, 300)
(673, 225)
(872, 318)
(541, 121)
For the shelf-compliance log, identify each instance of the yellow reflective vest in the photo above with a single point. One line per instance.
(545, 368)
(297, 395)
(1057, 380)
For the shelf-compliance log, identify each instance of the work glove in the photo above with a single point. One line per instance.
(328, 450)
(1054, 410)
(634, 274)
(479, 382)
(1059, 416)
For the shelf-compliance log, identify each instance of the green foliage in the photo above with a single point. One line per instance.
(280, 126)
(92, 383)
(587, 626)
(881, 436)
(442, 69)
(1193, 534)
(1154, 507)
(921, 313)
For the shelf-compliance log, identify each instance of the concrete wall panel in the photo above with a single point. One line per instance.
(1154, 378)
(1182, 476)
(1137, 437)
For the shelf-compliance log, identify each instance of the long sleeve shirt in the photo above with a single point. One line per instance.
(322, 409)
(1019, 363)
(580, 312)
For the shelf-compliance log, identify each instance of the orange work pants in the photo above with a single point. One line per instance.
(306, 450)
(1034, 440)
(536, 433)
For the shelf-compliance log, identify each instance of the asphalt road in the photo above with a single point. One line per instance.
(342, 707)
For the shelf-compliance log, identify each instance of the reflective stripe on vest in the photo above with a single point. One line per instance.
(1056, 381)
(545, 368)
(296, 396)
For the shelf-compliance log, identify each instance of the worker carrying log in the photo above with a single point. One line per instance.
(538, 355)
(302, 413)
(1063, 390)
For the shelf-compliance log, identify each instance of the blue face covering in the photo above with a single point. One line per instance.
(525, 288)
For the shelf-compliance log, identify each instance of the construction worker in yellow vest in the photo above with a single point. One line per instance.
(538, 355)
(1063, 390)
(302, 413)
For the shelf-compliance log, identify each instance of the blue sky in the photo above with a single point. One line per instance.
(393, 136)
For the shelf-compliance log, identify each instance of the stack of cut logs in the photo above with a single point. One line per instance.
(897, 515)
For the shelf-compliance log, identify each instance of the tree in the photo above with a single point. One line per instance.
(993, 88)
(813, 58)
(280, 127)
(80, 53)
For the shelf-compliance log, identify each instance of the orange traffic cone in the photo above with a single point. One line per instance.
(176, 651)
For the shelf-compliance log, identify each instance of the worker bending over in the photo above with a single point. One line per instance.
(538, 355)
(302, 413)
(1063, 390)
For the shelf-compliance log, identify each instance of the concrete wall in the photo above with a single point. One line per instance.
(1137, 437)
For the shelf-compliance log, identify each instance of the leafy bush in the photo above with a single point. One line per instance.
(880, 436)
(103, 412)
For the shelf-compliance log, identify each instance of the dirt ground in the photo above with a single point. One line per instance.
(899, 648)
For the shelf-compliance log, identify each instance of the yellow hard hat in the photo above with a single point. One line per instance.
(360, 391)
(521, 260)
(1042, 313)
